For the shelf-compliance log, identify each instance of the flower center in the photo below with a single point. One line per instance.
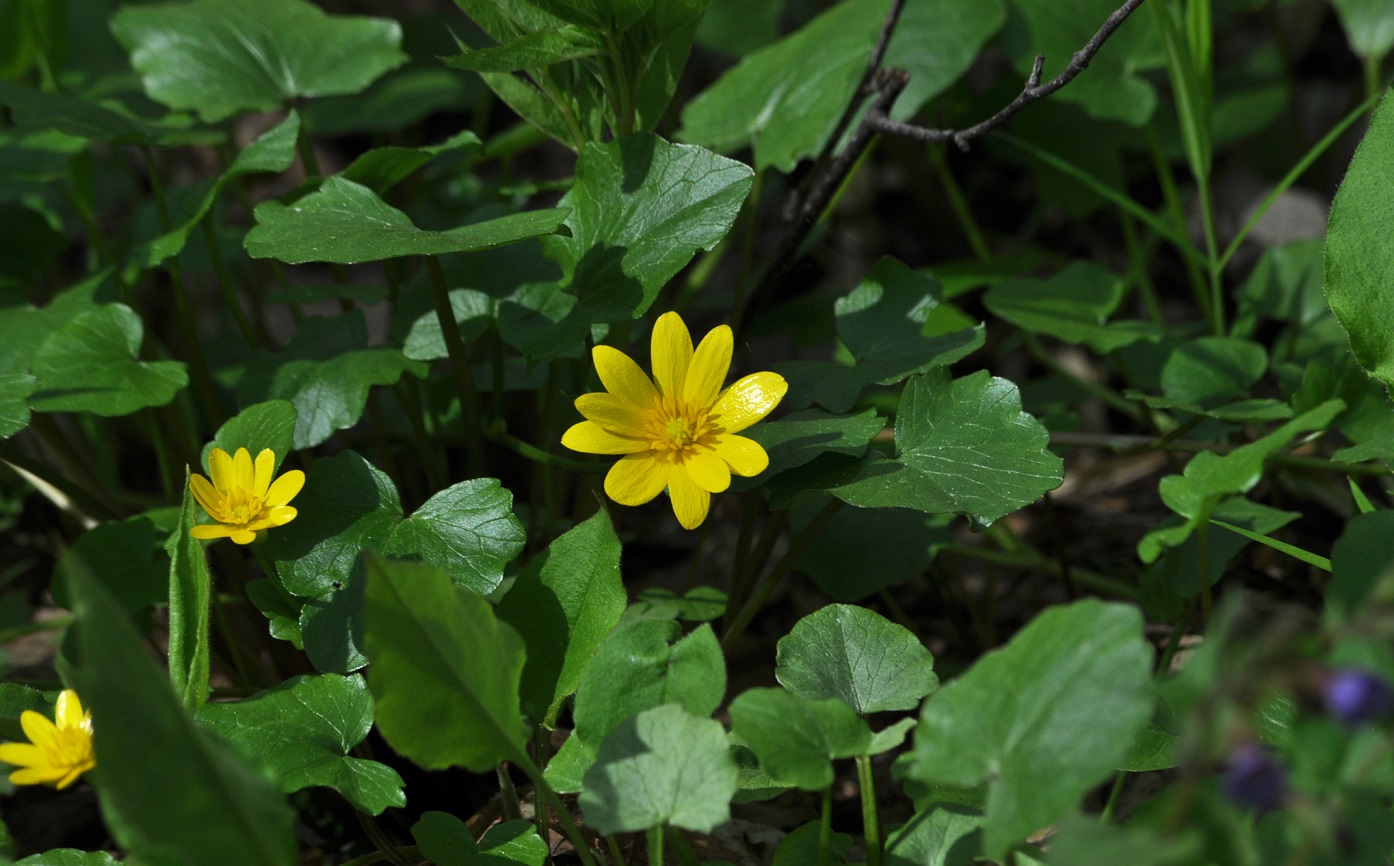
(241, 508)
(679, 431)
(70, 747)
(675, 427)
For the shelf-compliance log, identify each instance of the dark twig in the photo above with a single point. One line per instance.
(1033, 90)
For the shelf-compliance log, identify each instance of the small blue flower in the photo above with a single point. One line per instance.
(1357, 697)
(1253, 778)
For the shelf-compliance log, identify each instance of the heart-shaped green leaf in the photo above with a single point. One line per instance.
(447, 841)
(301, 732)
(91, 365)
(1074, 306)
(258, 427)
(797, 739)
(936, 41)
(256, 55)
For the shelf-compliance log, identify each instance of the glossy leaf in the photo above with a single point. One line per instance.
(640, 210)
(941, 835)
(473, 312)
(1358, 258)
(467, 529)
(325, 372)
(69, 857)
(797, 739)
(257, 427)
(881, 323)
(862, 551)
(1001, 721)
(301, 732)
(786, 98)
(963, 446)
(24, 327)
(858, 656)
(447, 841)
(169, 792)
(218, 60)
(15, 389)
(382, 168)
(664, 766)
(445, 671)
(1074, 306)
(346, 223)
(91, 365)
(125, 558)
(190, 599)
(531, 50)
(564, 604)
(801, 846)
(1362, 566)
(936, 41)
(82, 118)
(1211, 370)
(799, 437)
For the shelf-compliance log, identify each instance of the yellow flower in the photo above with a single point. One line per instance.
(678, 430)
(55, 754)
(241, 497)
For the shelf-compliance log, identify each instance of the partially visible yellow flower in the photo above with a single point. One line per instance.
(678, 430)
(55, 754)
(241, 496)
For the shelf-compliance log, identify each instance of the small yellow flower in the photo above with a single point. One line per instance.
(241, 496)
(678, 430)
(55, 754)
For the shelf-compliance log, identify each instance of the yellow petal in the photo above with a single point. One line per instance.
(747, 401)
(637, 478)
(71, 776)
(263, 472)
(243, 475)
(285, 488)
(710, 364)
(707, 469)
(590, 438)
(690, 502)
(67, 713)
(206, 495)
(242, 535)
(746, 457)
(623, 378)
(220, 469)
(37, 728)
(278, 516)
(207, 531)
(22, 754)
(45, 775)
(671, 348)
(618, 416)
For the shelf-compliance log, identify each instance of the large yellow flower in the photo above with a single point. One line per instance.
(55, 754)
(678, 430)
(241, 496)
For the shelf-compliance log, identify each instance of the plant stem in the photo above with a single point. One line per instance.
(546, 791)
(229, 295)
(1113, 794)
(683, 848)
(537, 455)
(781, 570)
(971, 230)
(512, 808)
(460, 367)
(656, 846)
(825, 826)
(871, 821)
(615, 853)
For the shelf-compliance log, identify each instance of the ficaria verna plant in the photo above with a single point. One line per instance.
(1028, 497)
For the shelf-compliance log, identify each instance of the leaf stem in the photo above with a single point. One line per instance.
(578, 841)
(683, 848)
(825, 826)
(781, 570)
(871, 821)
(459, 366)
(656, 845)
(512, 808)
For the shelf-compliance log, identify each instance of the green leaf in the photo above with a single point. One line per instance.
(1210, 371)
(256, 428)
(529, 51)
(1074, 306)
(445, 671)
(797, 739)
(473, 312)
(786, 98)
(219, 60)
(91, 365)
(190, 591)
(1369, 25)
(799, 437)
(382, 168)
(124, 558)
(564, 604)
(93, 121)
(468, 530)
(1001, 721)
(447, 841)
(24, 328)
(1290, 549)
(399, 100)
(1358, 258)
(1086, 841)
(15, 389)
(301, 732)
(862, 551)
(881, 323)
(169, 792)
(801, 846)
(640, 210)
(936, 41)
(14, 700)
(325, 371)
(272, 153)
(890, 738)
(346, 223)
(963, 446)
(699, 604)
(69, 857)
(938, 836)
(858, 656)
(1285, 285)
(1362, 567)
(1112, 88)
(1154, 748)
(664, 766)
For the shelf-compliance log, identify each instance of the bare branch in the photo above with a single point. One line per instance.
(1033, 90)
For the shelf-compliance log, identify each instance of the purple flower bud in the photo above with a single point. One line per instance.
(1254, 779)
(1357, 696)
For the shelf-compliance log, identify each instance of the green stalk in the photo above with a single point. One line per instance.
(962, 212)
(871, 822)
(825, 826)
(1199, 285)
(553, 799)
(225, 289)
(780, 571)
(460, 367)
(683, 848)
(512, 808)
(656, 845)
